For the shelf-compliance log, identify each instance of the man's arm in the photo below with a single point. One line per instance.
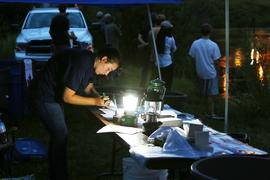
(141, 41)
(91, 90)
(71, 97)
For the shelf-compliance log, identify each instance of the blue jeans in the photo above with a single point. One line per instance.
(52, 116)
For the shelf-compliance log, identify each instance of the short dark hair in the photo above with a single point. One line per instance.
(206, 29)
(62, 8)
(112, 54)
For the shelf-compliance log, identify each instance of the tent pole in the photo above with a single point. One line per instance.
(154, 40)
(227, 63)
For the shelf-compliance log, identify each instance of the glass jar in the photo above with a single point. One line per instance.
(155, 90)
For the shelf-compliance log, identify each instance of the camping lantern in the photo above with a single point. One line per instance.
(130, 103)
(154, 96)
(128, 118)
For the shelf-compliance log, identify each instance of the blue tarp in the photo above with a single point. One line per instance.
(97, 2)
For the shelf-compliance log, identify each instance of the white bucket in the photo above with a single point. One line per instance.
(133, 171)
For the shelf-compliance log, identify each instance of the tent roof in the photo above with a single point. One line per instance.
(98, 2)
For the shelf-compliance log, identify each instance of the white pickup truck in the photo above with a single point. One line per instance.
(34, 40)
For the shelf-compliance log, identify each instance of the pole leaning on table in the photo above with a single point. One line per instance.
(154, 41)
(227, 63)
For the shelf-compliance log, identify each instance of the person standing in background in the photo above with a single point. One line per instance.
(157, 19)
(166, 46)
(112, 32)
(143, 52)
(98, 31)
(206, 54)
(59, 27)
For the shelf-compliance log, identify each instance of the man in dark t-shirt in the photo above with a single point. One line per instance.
(66, 75)
(59, 30)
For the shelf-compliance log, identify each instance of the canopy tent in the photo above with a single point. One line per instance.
(98, 2)
(147, 2)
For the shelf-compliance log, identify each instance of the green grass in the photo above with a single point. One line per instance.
(89, 153)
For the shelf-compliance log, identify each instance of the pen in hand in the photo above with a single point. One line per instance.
(106, 99)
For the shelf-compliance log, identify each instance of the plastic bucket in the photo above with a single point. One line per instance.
(133, 171)
(231, 167)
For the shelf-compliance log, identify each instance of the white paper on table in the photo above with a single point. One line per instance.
(107, 113)
(119, 129)
(194, 121)
(168, 112)
(112, 106)
(170, 122)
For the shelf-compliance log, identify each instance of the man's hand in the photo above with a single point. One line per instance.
(105, 101)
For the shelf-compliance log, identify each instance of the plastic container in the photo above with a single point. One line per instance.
(132, 171)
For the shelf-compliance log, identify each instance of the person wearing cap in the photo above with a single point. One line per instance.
(166, 46)
(143, 54)
(206, 54)
(68, 78)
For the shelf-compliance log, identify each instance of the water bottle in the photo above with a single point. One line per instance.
(3, 132)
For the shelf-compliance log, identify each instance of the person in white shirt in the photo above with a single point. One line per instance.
(166, 46)
(206, 54)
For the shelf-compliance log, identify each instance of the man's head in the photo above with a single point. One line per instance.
(99, 14)
(160, 18)
(206, 29)
(107, 60)
(62, 9)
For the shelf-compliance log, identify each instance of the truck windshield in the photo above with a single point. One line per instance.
(40, 20)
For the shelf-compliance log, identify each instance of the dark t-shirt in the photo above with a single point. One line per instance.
(72, 68)
(59, 30)
(98, 35)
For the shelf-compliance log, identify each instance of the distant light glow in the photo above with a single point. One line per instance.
(238, 57)
(252, 62)
(252, 54)
(260, 72)
(257, 57)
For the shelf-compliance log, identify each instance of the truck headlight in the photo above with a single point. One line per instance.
(21, 46)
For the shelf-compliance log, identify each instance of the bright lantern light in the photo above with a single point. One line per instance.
(130, 103)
